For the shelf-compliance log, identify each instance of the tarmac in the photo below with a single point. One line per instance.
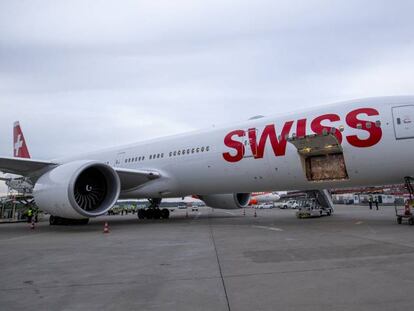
(358, 259)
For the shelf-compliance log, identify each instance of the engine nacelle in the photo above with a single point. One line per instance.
(227, 201)
(79, 189)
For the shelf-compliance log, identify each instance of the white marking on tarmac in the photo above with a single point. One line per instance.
(359, 222)
(268, 228)
(230, 213)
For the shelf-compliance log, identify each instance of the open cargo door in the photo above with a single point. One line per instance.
(322, 157)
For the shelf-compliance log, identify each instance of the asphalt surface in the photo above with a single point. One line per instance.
(214, 260)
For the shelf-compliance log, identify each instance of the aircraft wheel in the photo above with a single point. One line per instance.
(83, 221)
(52, 220)
(157, 213)
(399, 220)
(149, 213)
(141, 214)
(165, 213)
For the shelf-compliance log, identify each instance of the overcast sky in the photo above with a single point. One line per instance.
(82, 75)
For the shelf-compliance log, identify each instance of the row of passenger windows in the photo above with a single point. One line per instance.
(171, 154)
(189, 151)
(136, 159)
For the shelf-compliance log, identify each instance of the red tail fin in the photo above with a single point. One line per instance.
(19, 143)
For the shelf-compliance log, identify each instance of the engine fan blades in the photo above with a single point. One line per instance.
(90, 189)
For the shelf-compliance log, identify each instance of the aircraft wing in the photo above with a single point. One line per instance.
(23, 167)
(134, 178)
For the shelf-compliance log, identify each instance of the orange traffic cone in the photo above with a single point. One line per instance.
(106, 228)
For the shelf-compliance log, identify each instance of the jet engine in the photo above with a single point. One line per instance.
(78, 190)
(227, 201)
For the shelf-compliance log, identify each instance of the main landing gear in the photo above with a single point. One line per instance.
(60, 221)
(153, 211)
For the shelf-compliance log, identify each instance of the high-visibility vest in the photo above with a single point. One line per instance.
(29, 212)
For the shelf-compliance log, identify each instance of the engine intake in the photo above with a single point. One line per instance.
(79, 189)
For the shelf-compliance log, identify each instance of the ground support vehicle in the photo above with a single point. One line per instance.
(311, 208)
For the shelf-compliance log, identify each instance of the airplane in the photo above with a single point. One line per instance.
(20, 150)
(348, 144)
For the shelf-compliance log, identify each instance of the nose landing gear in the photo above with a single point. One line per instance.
(153, 211)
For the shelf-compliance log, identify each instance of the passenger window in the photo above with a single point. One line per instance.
(184, 151)
(151, 157)
(158, 156)
(162, 155)
(192, 150)
(202, 149)
(198, 150)
(179, 153)
(188, 151)
(208, 148)
(175, 153)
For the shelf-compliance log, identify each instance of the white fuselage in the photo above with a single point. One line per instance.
(378, 149)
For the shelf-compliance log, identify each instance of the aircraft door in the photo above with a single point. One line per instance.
(119, 160)
(249, 144)
(403, 121)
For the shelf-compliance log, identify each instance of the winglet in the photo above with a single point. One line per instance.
(20, 149)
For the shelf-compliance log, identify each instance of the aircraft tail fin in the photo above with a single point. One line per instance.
(20, 149)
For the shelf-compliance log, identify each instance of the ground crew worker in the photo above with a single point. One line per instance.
(376, 202)
(370, 199)
(29, 215)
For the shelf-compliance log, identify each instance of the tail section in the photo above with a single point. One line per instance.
(19, 143)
